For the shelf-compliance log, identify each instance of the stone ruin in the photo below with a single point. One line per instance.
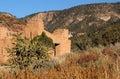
(32, 29)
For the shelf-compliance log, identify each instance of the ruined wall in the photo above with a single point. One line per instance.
(3, 32)
(59, 36)
(32, 29)
(64, 44)
(5, 42)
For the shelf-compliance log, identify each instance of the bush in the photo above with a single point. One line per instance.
(29, 53)
(82, 42)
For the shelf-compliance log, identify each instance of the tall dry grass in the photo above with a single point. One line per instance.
(72, 72)
(92, 65)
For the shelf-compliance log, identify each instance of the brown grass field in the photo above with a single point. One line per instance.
(86, 65)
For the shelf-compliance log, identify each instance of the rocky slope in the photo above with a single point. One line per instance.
(10, 21)
(81, 18)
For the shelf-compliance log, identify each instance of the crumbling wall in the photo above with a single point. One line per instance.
(32, 29)
(59, 36)
(64, 44)
(5, 42)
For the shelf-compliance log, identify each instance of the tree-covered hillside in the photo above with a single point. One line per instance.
(79, 18)
(91, 24)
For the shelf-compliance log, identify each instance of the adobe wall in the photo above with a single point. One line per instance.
(59, 36)
(63, 48)
(32, 29)
(5, 42)
(64, 44)
(3, 32)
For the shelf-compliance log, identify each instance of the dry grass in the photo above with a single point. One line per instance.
(75, 67)
(72, 72)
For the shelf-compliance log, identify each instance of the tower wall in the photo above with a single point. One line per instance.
(33, 28)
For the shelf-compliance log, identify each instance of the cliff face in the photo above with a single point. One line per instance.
(79, 18)
(45, 17)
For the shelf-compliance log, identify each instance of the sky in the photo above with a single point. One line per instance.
(21, 8)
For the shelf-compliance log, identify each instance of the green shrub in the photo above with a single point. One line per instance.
(29, 53)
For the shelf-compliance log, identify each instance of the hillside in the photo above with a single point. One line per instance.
(80, 18)
(10, 21)
(91, 52)
(97, 23)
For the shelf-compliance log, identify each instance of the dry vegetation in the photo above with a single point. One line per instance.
(84, 65)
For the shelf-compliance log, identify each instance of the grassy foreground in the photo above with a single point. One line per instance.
(86, 65)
